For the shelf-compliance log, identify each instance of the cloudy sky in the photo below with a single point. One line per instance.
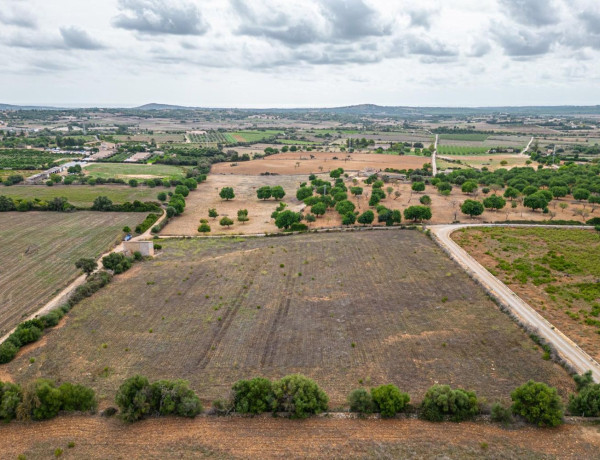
(300, 53)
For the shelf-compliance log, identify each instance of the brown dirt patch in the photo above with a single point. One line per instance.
(192, 314)
(266, 437)
(301, 163)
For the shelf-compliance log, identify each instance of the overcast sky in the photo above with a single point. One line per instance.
(300, 53)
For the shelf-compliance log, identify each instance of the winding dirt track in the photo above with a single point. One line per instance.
(565, 347)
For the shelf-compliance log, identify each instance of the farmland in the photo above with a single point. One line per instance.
(211, 138)
(490, 161)
(270, 437)
(461, 150)
(302, 163)
(80, 195)
(39, 250)
(556, 271)
(130, 171)
(464, 137)
(28, 159)
(214, 311)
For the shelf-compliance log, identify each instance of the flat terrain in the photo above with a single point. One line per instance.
(301, 163)
(193, 312)
(268, 437)
(492, 162)
(445, 209)
(83, 195)
(133, 171)
(39, 250)
(556, 271)
(206, 196)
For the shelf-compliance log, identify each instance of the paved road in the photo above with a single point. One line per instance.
(564, 346)
(433, 155)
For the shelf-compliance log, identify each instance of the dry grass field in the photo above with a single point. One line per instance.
(445, 209)
(301, 163)
(39, 250)
(363, 308)
(268, 437)
(492, 162)
(556, 271)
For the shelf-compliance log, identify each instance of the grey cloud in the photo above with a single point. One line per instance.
(77, 38)
(331, 22)
(420, 46)
(36, 42)
(175, 17)
(532, 12)
(480, 49)
(18, 17)
(354, 19)
(420, 18)
(524, 43)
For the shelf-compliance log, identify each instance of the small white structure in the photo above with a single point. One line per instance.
(146, 248)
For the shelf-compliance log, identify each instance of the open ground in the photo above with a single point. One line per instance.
(268, 437)
(39, 251)
(490, 161)
(301, 163)
(133, 171)
(348, 310)
(445, 209)
(82, 195)
(556, 271)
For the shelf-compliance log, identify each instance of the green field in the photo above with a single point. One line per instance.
(254, 136)
(295, 142)
(39, 251)
(81, 195)
(24, 158)
(128, 171)
(461, 150)
(464, 137)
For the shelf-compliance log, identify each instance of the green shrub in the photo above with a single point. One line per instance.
(299, 395)
(10, 398)
(389, 400)
(174, 397)
(7, 352)
(77, 397)
(537, 403)
(501, 414)
(587, 402)
(253, 396)
(441, 401)
(133, 398)
(360, 400)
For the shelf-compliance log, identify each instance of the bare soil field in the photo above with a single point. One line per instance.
(39, 251)
(556, 271)
(268, 437)
(363, 308)
(301, 163)
(445, 209)
(492, 162)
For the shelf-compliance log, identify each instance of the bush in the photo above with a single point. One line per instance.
(537, 403)
(41, 401)
(361, 401)
(442, 401)
(77, 398)
(133, 398)
(10, 398)
(501, 414)
(587, 402)
(253, 396)
(389, 400)
(136, 399)
(174, 397)
(204, 228)
(299, 395)
(7, 352)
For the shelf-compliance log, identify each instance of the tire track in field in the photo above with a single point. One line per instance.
(272, 343)
(225, 322)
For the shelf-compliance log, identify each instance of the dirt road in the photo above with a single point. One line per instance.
(565, 347)
(60, 298)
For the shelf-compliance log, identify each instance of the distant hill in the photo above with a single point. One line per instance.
(155, 106)
(361, 110)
